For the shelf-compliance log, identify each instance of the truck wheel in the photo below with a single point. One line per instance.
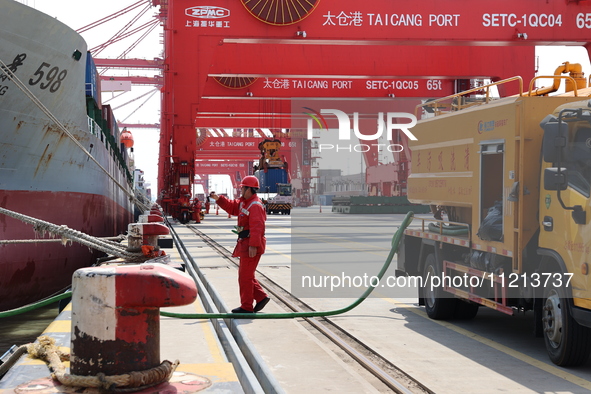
(289, 211)
(437, 306)
(567, 342)
(465, 310)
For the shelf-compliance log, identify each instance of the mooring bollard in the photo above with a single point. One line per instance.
(115, 316)
(150, 218)
(139, 234)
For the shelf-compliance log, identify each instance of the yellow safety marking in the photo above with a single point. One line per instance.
(290, 257)
(54, 327)
(315, 237)
(217, 373)
(209, 336)
(340, 245)
(299, 261)
(502, 348)
(59, 326)
(32, 361)
(35, 361)
(277, 228)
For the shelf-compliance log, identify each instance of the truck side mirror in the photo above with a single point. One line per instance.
(555, 139)
(555, 179)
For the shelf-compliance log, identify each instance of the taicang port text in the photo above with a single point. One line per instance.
(487, 279)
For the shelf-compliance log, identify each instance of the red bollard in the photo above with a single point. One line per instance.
(150, 218)
(115, 316)
(145, 234)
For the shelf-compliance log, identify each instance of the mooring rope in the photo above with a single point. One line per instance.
(34, 241)
(22, 87)
(67, 233)
(46, 350)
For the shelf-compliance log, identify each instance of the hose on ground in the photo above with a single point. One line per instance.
(292, 315)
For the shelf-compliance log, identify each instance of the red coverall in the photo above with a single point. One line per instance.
(251, 216)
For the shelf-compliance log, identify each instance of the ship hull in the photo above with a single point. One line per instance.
(44, 173)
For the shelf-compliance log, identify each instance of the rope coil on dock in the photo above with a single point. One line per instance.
(46, 350)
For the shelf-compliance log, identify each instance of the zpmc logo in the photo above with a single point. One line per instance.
(207, 12)
(345, 124)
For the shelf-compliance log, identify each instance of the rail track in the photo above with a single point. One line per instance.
(390, 378)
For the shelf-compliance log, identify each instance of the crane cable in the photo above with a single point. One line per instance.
(99, 48)
(141, 105)
(19, 84)
(134, 99)
(102, 46)
(109, 17)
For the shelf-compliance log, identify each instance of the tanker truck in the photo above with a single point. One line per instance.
(512, 176)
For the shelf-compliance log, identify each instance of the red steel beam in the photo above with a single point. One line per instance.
(156, 80)
(156, 64)
(370, 61)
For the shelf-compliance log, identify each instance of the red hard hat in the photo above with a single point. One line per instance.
(250, 181)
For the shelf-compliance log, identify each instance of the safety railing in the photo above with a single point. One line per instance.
(93, 127)
(458, 101)
(542, 90)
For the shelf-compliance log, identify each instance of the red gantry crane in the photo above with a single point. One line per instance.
(241, 65)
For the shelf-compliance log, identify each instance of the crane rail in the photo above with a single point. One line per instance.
(389, 374)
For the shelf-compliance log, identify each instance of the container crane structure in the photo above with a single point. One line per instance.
(240, 64)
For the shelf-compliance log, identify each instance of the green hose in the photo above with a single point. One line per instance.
(448, 230)
(30, 307)
(291, 315)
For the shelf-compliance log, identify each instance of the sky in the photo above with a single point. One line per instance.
(79, 13)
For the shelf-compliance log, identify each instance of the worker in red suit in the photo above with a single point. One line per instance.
(251, 242)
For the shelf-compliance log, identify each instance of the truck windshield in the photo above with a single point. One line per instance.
(285, 190)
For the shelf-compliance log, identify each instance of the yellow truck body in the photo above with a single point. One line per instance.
(467, 161)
